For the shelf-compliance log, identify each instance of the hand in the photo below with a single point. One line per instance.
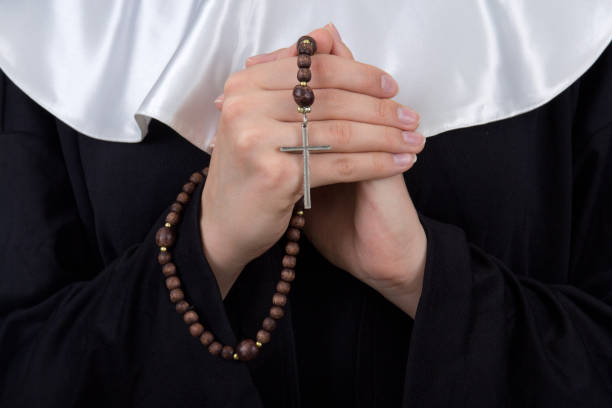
(252, 186)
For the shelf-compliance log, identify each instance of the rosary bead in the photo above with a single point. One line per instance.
(292, 248)
(283, 287)
(169, 269)
(205, 171)
(298, 221)
(207, 338)
(196, 329)
(164, 257)
(189, 187)
(182, 198)
(165, 237)
(176, 295)
(196, 178)
(247, 350)
(227, 352)
(305, 48)
(304, 75)
(190, 317)
(303, 96)
(269, 324)
(303, 61)
(215, 348)
(173, 217)
(173, 282)
(293, 234)
(288, 275)
(289, 261)
(279, 299)
(263, 336)
(182, 307)
(276, 312)
(177, 207)
(306, 39)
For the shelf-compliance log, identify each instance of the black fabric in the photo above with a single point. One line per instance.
(516, 307)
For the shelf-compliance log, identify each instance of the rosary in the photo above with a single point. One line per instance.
(165, 238)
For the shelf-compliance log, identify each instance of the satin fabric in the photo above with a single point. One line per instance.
(107, 68)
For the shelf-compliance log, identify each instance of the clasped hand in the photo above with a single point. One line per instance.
(362, 219)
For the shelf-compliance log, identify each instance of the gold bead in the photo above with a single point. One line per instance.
(300, 212)
(306, 41)
(163, 249)
(258, 344)
(236, 356)
(303, 83)
(307, 109)
(300, 109)
(167, 225)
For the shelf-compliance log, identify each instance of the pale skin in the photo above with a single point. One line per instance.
(362, 219)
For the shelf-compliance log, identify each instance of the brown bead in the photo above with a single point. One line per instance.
(189, 187)
(313, 43)
(164, 257)
(293, 234)
(304, 75)
(303, 96)
(263, 336)
(190, 317)
(196, 178)
(288, 275)
(277, 312)
(303, 61)
(173, 282)
(177, 207)
(289, 261)
(227, 352)
(182, 198)
(173, 217)
(165, 237)
(292, 248)
(279, 299)
(182, 307)
(207, 338)
(169, 269)
(176, 295)
(269, 324)
(196, 329)
(215, 348)
(298, 221)
(247, 350)
(305, 48)
(283, 287)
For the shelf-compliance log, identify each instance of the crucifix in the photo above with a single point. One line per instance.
(305, 149)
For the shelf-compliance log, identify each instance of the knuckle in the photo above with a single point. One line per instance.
(233, 108)
(345, 167)
(379, 164)
(234, 83)
(342, 133)
(383, 109)
(246, 141)
(271, 174)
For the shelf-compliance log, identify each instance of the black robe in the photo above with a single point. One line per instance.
(516, 308)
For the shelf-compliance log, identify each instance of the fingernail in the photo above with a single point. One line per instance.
(407, 116)
(388, 84)
(335, 30)
(404, 159)
(413, 138)
(219, 99)
(256, 59)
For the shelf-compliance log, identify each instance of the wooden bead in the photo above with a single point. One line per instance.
(247, 350)
(303, 61)
(182, 198)
(196, 329)
(304, 75)
(169, 269)
(207, 338)
(176, 207)
(182, 307)
(288, 275)
(190, 317)
(189, 187)
(164, 257)
(227, 352)
(263, 336)
(306, 39)
(298, 221)
(165, 237)
(173, 282)
(279, 299)
(303, 96)
(289, 261)
(305, 48)
(269, 324)
(277, 312)
(176, 295)
(292, 248)
(293, 234)
(205, 171)
(283, 287)
(173, 217)
(196, 178)
(215, 348)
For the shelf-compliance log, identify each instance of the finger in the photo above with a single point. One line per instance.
(352, 137)
(338, 47)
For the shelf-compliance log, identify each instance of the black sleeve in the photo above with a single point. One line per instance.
(487, 336)
(74, 334)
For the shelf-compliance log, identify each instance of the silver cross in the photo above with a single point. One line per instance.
(305, 149)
